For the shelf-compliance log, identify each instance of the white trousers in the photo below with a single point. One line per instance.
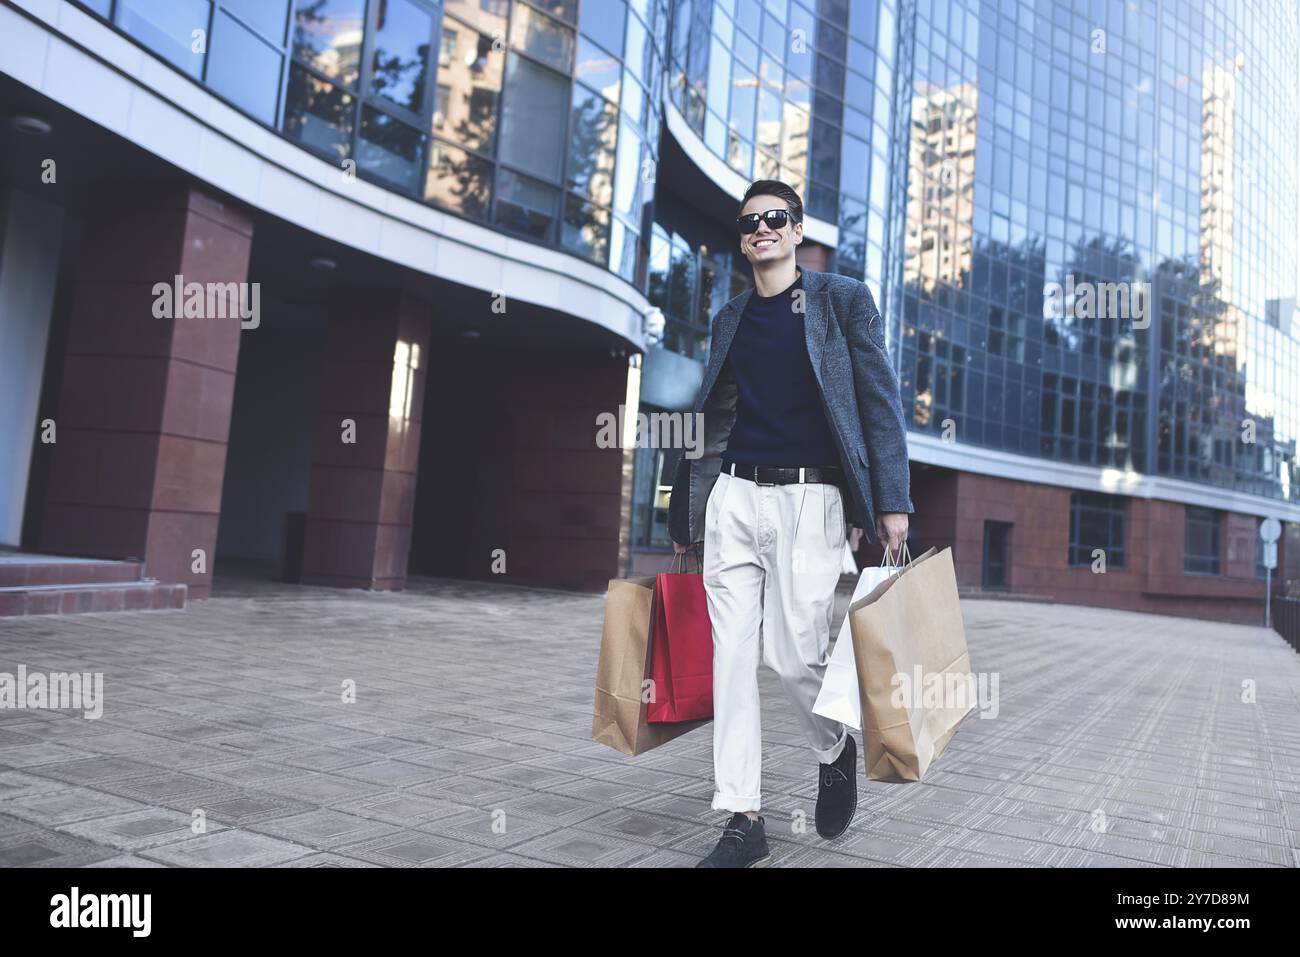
(772, 559)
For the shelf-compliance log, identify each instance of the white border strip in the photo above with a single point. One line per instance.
(727, 179)
(969, 458)
(74, 59)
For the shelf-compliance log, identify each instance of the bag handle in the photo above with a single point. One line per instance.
(897, 565)
(679, 558)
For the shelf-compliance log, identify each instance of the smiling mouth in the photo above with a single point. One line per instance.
(763, 243)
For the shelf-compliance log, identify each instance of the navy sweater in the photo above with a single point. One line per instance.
(779, 414)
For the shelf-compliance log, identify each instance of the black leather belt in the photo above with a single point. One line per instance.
(783, 475)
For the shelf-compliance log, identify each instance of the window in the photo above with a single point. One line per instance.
(327, 36)
(525, 205)
(1097, 521)
(318, 114)
(585, 230)
(268, 17)
(599, 69)
(457, 180)
(390, 149)
(469, 87)
(1201, 541)
(594, 130)
(176, 30)
(603, 22)
(538, 35)
(243, 68)
(401, 53)
(532, 131)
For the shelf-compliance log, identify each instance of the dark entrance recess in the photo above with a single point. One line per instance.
(997, 544)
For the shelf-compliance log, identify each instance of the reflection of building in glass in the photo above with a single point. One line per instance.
(941, 188)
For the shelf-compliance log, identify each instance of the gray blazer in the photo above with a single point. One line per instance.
(846, 345)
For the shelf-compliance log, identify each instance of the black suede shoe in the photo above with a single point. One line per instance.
(743, 844)
(837, 793)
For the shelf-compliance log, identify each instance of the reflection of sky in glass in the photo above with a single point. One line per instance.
(328, 35)
(401, 49)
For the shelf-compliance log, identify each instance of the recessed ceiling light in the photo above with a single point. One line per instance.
(31, 125)
(323, 264)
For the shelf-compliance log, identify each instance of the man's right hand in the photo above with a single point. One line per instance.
(680, 549)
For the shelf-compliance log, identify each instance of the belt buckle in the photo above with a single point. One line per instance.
(757, 482)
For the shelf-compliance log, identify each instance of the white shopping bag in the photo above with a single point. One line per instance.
(838, 698)
(849, 565)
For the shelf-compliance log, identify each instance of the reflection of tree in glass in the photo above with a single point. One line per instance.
(399, 78)
(309, 24)
(591, 161)
(462, 176)
(330, 107)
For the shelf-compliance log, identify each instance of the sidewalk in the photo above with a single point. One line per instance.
(1122, 740)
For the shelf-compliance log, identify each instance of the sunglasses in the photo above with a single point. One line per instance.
(775, 219)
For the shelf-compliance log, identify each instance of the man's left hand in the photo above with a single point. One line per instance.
(891, 530)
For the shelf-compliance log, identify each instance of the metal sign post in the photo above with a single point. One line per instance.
(1270, 529)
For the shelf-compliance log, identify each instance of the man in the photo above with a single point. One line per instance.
(799, 402)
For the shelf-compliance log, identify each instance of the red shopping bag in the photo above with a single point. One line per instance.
(681, 650)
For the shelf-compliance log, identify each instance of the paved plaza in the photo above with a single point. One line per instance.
(1120, 740)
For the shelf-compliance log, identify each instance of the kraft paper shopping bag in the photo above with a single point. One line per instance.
(622, 675)
(913, 667)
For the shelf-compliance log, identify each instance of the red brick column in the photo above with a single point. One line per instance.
(144, 412)
(367, 442)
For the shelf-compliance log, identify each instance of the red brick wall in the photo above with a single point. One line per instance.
(1152, 578)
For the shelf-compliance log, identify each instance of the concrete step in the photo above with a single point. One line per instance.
(18, 569)
(145, 595)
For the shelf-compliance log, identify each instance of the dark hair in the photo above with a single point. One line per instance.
(774, 187)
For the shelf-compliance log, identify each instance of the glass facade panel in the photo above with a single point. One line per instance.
(586, 230)
(399, 63)
(458, 180)
(592, 136)
(267, 17)
(318, 114)
(604, 23)
(244, 69)
(487, 16)
(525, 205)
(328, 34)
(390, 149)
(467, 100)
(598, 69)
(542, 37)
(531, 138)
(176, 30)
